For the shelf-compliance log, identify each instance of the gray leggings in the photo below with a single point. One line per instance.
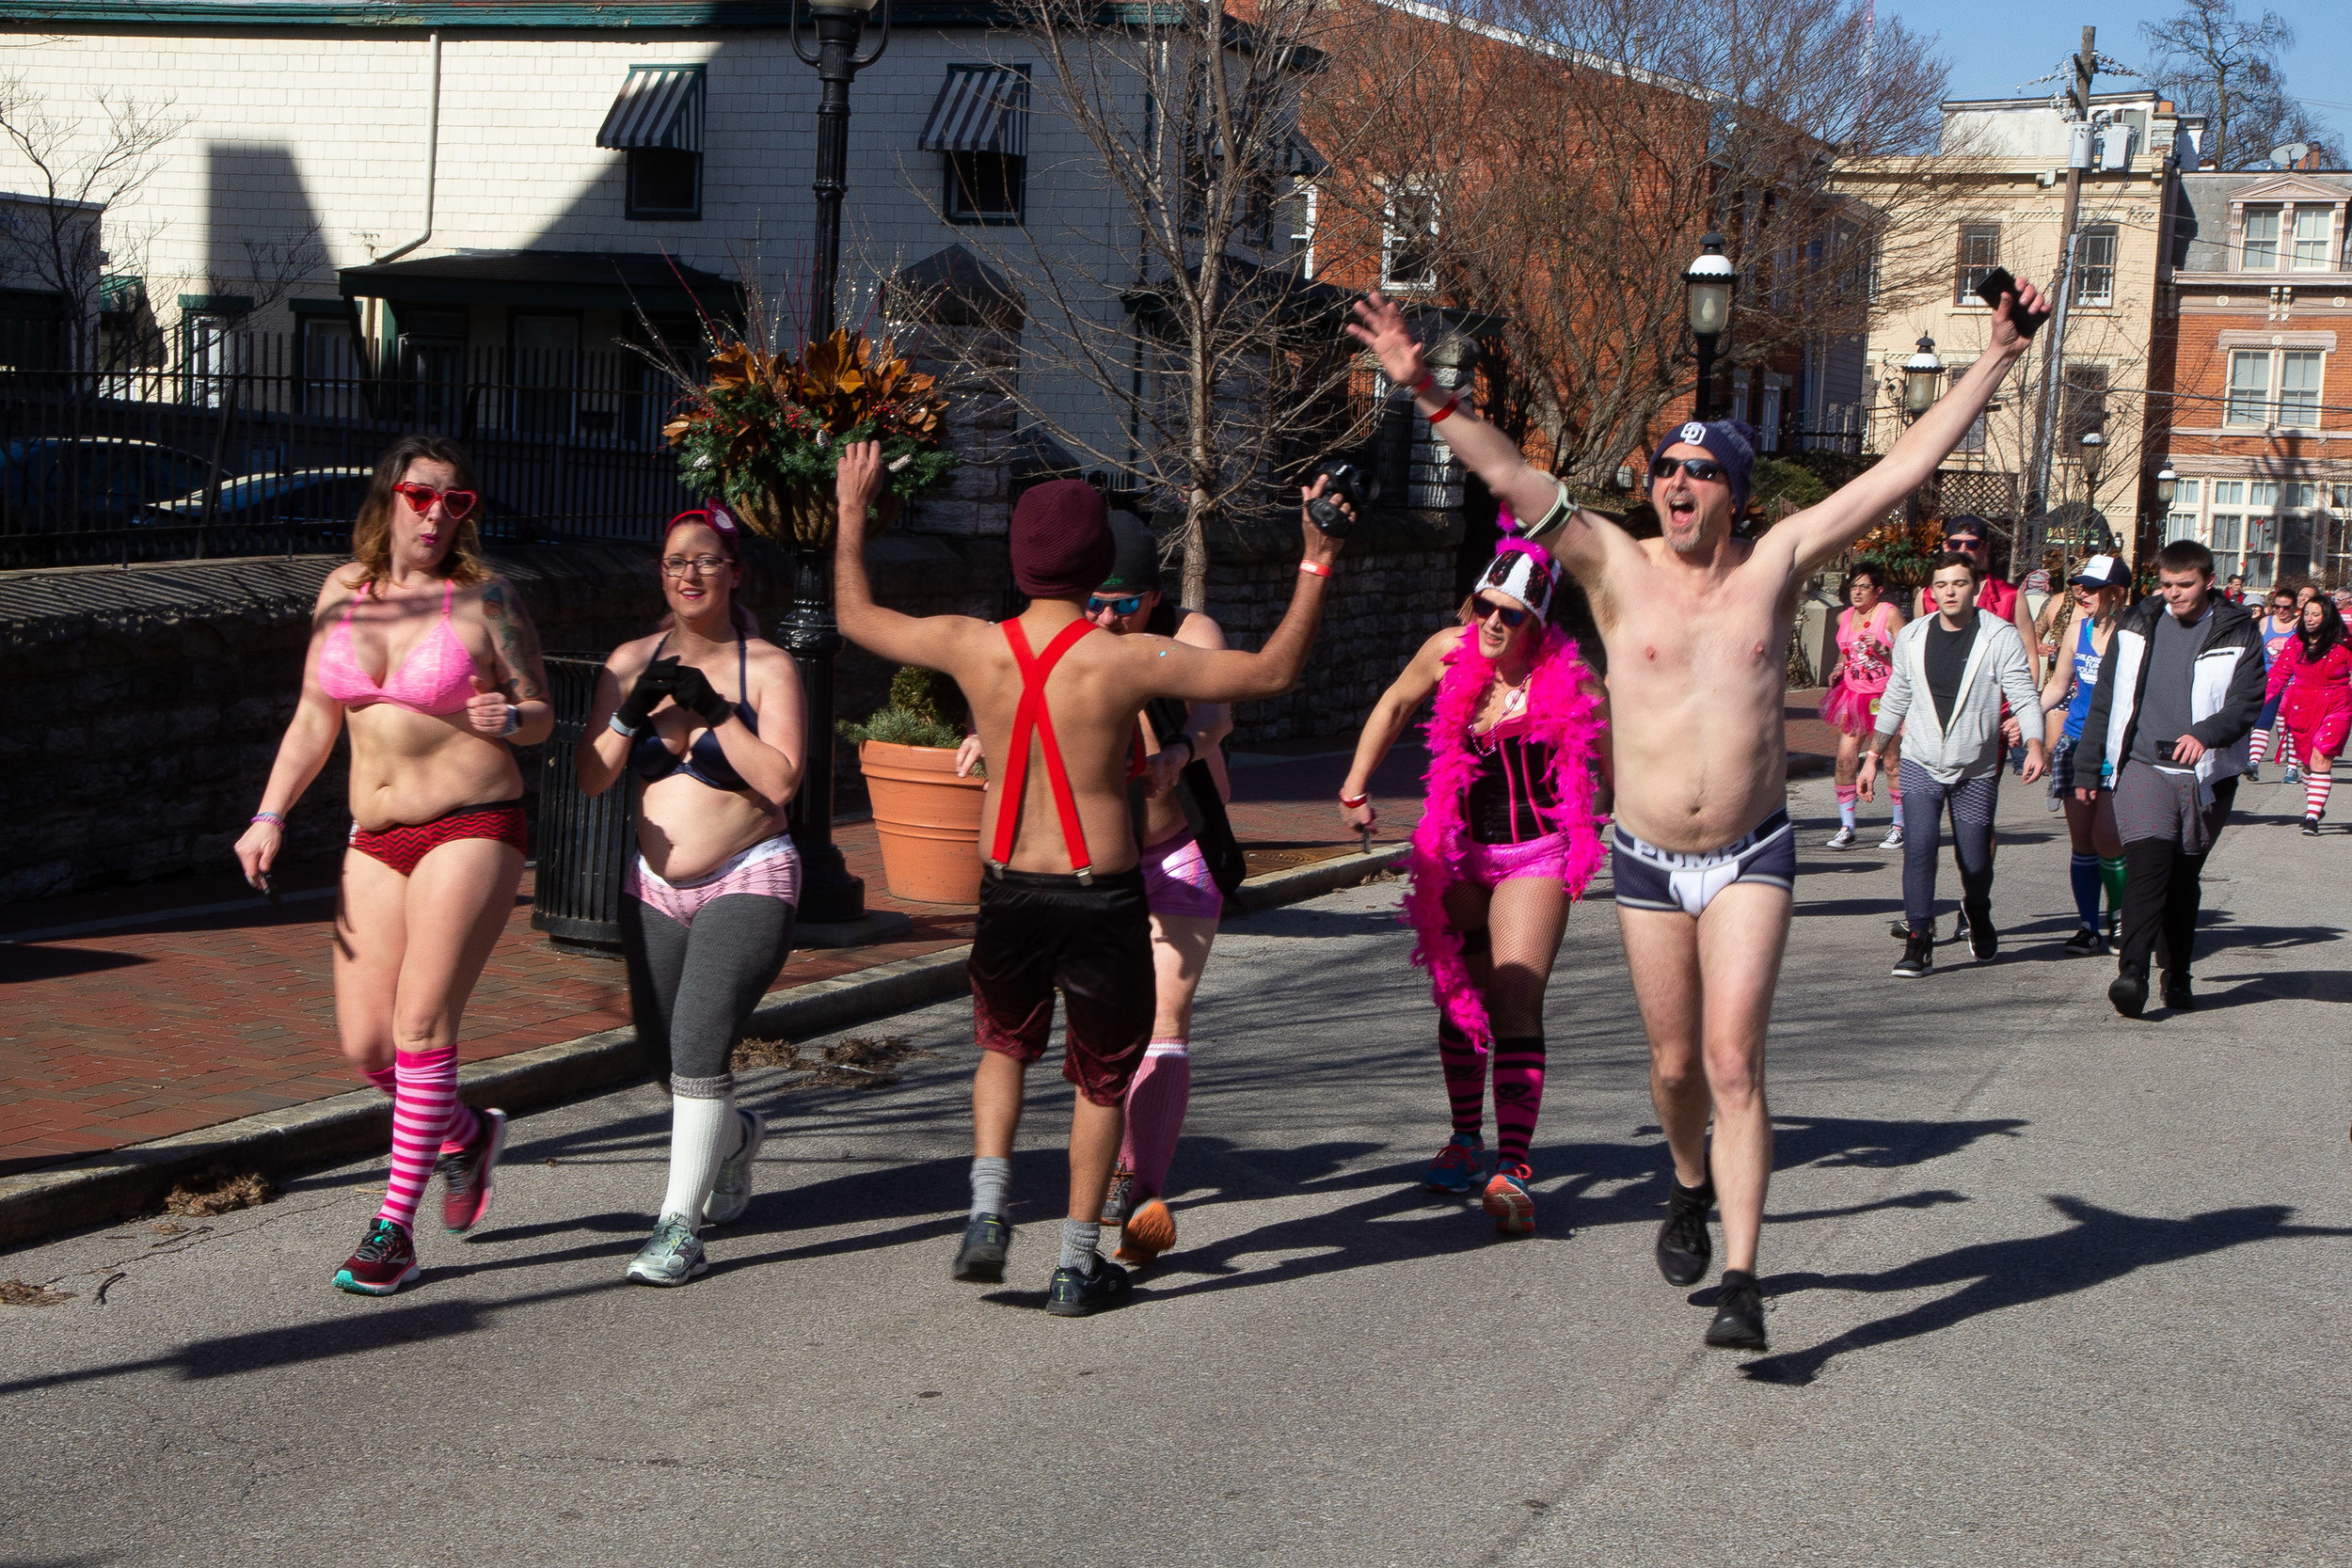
(693, 988)
(1972, 802)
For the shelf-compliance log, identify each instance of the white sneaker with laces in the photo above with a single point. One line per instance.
(1893, 839)
(1841, 839)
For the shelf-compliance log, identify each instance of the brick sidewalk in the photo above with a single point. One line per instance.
(197, 1003)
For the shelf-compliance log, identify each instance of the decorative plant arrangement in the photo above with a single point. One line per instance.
(923, 711)
(764, 432)
(1903, 548)
(927, 817)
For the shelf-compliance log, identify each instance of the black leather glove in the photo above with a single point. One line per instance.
(652, 686)
(692, 691)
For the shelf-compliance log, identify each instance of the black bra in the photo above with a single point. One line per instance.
(706, 760)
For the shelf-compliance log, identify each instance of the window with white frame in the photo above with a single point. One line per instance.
(2180, 521)
(2262, 531)
(2225, 532)
(2311, 237)
(1409, 238)
(2298, 389)
(1974, 441)
(2259, 249)
(1980, 253)
(2249, 387)
(2094, 266)
(1304, 211)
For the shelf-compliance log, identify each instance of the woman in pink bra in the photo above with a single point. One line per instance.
(711, 718)
(1865, 644)
(432, 662)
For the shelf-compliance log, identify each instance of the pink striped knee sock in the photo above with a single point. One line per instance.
(384, 1078)
(464, 1126)
(1519, 1093)
(1465, 1065)
(1156, 1112)
(2260, 749)
(2315, 787)
(424, 1107)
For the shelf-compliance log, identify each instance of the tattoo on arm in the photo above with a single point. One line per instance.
(516, 640)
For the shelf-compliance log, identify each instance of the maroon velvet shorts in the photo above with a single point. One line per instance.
(1037, 934)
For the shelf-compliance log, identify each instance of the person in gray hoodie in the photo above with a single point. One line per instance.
(1950, 672)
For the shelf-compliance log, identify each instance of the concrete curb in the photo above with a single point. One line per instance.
(102, 1187)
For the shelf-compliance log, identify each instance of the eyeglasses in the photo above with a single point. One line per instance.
(1697, 468)
(421, 497)
(701, 565)
(1127, 605)
(1483, 610)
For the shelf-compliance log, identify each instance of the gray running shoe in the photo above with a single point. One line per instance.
(1119, 1197)
(732, 1193)
(672, 1256)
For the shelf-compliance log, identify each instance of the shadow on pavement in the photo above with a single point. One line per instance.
(2101, 1244)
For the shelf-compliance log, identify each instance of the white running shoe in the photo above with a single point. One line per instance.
(1893, 839)
(1841, 839)
(732, 1193)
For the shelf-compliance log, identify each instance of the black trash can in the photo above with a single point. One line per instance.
(584, 844)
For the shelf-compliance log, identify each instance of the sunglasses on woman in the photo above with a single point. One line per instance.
(1697, 468)
(421, 497)
(1484, 610)
(1127, 605)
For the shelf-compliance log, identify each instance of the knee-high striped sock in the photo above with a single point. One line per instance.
(2260, 749)
(1465, 1078)
(425, 1096)
(2315, 787)
(1156, 1112)
(2286, 746)
(1846, 795)
(464, 1126)
(2112, 873)
(2084, 871)
(1519, 1093)
(385, 1078)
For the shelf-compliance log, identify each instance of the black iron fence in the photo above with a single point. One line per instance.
(254, 443)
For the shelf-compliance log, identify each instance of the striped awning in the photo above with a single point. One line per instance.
(981, 108)
(660, 105)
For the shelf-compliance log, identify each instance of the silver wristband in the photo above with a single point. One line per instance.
(513, 719)
(626, 732)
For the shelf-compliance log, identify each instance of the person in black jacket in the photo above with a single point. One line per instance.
(2178, 696)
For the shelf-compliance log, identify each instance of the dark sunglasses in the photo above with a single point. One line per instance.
(1964, 542)
(421, 497)
(1127, 605)
(1697, 468)
(1481, 610)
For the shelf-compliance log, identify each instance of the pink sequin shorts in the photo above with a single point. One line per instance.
(1176, 879)
(1489, 863)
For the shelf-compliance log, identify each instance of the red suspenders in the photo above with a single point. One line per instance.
(1031, 714)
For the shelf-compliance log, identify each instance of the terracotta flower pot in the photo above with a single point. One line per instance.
(929, 821)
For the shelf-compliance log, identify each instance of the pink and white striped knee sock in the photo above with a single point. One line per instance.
(425, 1111)
(464, 1126)
(2260, 749)
(2315, 787)
(1846, 795)
(1155, 1112)
(387, 1079)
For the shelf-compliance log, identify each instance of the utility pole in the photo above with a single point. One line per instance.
(2081, 149)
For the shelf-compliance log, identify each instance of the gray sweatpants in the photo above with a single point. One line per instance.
(693, 989)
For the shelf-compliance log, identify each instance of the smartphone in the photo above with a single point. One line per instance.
(1999, 282)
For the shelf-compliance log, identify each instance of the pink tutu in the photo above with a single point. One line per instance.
(1849, 709)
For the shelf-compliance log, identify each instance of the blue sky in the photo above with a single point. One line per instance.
(2021, 45)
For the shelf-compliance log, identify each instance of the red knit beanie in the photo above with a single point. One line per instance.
(1061, 540)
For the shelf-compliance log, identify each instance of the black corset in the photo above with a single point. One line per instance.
(1507, 807)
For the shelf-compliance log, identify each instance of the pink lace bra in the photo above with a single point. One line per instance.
(436, 676)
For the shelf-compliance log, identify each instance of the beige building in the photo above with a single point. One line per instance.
(2005, 162)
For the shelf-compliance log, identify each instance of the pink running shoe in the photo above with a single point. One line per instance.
(466, 1175)
(1509, 1201)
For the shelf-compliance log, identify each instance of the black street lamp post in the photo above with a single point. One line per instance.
(1708, 286)
(829, 894)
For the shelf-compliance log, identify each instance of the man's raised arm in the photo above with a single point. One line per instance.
(1819, 533)
(930, 641)
(1533, 496)
(1173, 669)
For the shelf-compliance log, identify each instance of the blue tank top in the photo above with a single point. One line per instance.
(2271, 640)
(2087, 661)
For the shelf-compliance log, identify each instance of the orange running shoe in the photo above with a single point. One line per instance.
(1149, 1231)
(1509, 1201)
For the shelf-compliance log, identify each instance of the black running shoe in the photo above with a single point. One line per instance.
(1918, 959)
(986, 1240)
(1899, 931)
(1076, 1294)
(1983, 940)
(2310, 826)
(1683, 1247)
(2086, 944)
(1739, 1313)
(2129, 990)
(2177, 995)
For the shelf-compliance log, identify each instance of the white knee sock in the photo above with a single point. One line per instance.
(703, 1132)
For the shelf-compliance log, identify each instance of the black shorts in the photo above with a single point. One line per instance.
(1038, 933)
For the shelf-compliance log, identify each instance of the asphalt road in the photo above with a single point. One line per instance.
(2045, 1286)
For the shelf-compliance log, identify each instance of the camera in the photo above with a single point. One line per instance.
(1349, 483)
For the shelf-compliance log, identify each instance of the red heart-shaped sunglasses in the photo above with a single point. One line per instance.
(421, 497)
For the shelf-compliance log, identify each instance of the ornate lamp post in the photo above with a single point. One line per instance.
(2168, 485)
(1708, 286)
(829, 894)
(1923, 373)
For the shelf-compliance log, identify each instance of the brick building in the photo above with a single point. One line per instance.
(2253, 400)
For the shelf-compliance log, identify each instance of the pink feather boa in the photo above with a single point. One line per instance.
(1562, 715)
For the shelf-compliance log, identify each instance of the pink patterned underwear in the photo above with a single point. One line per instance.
(769, 869)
